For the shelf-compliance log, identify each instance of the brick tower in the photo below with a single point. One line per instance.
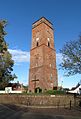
(43, 72)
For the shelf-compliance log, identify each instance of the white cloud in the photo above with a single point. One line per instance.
(20, 56)
(58, 58)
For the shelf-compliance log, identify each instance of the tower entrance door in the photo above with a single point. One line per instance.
(38, 90)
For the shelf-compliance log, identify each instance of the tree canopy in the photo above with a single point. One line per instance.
(6, 62)
(71, 57)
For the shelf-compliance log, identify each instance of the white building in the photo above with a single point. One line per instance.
(76, 91)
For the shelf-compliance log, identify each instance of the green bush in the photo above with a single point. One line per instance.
(55, 92)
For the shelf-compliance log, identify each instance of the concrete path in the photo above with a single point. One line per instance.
(21, 112)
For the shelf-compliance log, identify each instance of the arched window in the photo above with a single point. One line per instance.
(37, 44)
(37, 41)
(37, 59)
(48, 44)
(51, 76)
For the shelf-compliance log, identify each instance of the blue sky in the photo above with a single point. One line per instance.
(20, 14)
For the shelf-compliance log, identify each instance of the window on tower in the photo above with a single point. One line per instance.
(37, 39)
(48, 44)
(37, 44)
(37, 59)
(51, 76)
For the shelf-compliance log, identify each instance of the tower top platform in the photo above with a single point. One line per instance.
(42, 20)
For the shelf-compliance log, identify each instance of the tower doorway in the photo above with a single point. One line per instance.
(38, 90)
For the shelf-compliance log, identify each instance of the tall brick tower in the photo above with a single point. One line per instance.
(43, 72)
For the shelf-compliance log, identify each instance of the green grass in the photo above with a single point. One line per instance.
(49, 92)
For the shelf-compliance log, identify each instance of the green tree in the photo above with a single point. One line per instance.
(6, 62)
(71, 57)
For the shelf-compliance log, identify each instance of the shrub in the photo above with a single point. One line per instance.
(55, 92)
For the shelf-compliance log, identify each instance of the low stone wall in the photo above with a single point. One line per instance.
(78, 100)
(62, 101)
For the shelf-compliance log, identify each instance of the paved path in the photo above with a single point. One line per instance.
(20, 112)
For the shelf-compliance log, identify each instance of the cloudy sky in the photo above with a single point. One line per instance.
(20, 14)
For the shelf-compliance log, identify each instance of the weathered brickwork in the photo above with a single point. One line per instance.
(43, 72)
